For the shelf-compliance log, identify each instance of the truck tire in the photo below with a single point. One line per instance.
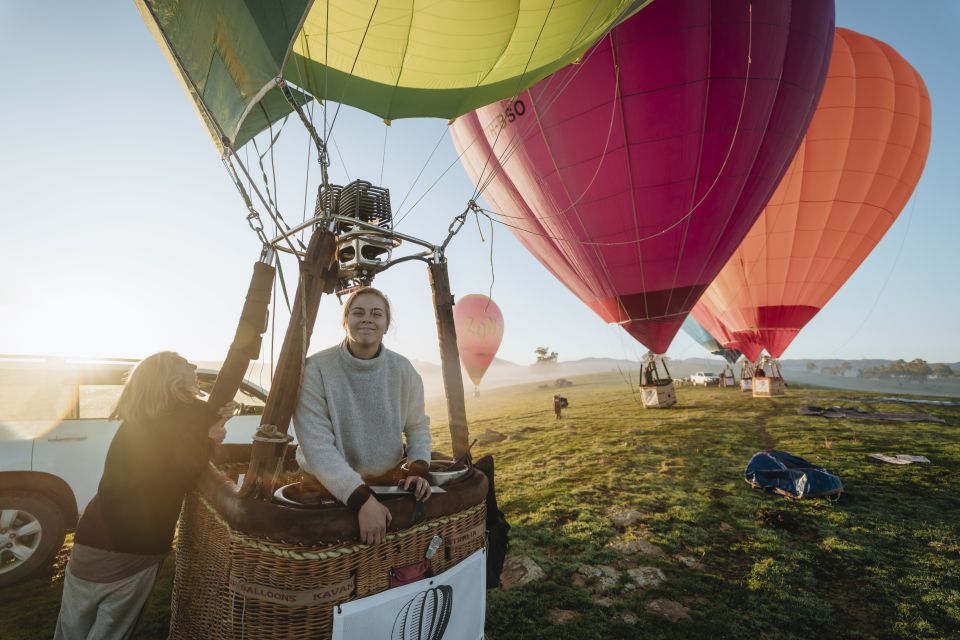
(32, 531)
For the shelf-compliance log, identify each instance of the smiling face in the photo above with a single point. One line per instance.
(366, 321)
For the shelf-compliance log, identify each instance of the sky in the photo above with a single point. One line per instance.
(123, 234)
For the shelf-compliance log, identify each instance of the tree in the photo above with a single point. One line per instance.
(942, 370)
(811, 366)
(545, 356)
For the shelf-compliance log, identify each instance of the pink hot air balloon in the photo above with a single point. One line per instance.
(634, 175)
(746, 344)
(479, 326)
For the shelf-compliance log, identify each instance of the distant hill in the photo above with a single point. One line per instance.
(503, 373)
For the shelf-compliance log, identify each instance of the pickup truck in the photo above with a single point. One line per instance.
(704, 378)
(54, 436)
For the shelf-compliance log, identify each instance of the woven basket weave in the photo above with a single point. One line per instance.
(211, 556)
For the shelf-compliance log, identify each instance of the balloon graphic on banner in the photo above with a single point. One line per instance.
(426, 616)
(634, 175)
(479, 324)
(854, 172)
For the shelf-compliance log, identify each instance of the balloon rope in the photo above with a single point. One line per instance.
(417, 179)
(366, 30)
(533, 49)
(480, 180)
(383, 155)
(886, 281)
(339, 155)
(461, 154)
(493, 275)
(272, 207)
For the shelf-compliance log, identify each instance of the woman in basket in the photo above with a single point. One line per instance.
(357, 402)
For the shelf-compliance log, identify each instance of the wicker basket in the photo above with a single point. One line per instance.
(230, 584)
(767, 387)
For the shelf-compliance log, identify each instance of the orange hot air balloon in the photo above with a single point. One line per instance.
(855, 170)
(479, 326)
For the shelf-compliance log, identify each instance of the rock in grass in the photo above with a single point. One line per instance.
(690, 562)
(629, 618)
(596, 578)
(646, 577)
(668, 609)
(626, 517)
(490, 436)
(561, 616)
(633, 547)
(520, 570)
(603, 601)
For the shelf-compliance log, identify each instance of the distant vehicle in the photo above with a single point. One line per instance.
(704, 378)
(54, 436)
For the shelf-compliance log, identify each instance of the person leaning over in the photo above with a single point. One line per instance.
(162, 446)
(357, 402)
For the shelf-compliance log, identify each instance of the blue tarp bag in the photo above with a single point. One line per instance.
(791, 476)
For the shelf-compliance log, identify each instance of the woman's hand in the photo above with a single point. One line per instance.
(373, 519)
(226, 411)
(421, 487)
(218, 431)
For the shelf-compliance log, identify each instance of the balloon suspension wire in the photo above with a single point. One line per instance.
(306, 177)
(272, 203)
(482, 182)
(533, 49)
(886, 281)
(400, 218)
(652, 236)
(328, 131)
(456, 161)
(383, 154)
(512, 147)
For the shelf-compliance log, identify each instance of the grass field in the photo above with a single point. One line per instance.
(882, 562)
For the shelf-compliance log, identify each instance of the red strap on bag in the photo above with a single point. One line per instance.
(410, 573)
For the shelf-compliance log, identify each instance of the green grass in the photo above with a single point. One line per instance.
(882, 562)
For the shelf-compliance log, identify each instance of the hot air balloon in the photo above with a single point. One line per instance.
(248, 65)
(479, 332)
(746, 344)
(859, 162)
(634, 175)
(696, 331)
(386, 57)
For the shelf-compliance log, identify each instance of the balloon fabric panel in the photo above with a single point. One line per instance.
(634, 175)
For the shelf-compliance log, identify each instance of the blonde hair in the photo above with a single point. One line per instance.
(154, 387)
(359, 292)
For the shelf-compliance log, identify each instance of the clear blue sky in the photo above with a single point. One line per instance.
(123, 234)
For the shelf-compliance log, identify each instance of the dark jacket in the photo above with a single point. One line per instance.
(150, 467)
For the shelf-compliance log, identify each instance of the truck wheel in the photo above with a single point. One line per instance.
(31, 533)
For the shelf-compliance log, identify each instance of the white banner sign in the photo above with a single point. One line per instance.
(449, 606)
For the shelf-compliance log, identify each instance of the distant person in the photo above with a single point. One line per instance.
(357, 402)
(162, 446)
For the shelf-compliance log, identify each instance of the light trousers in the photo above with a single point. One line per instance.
(103, 610)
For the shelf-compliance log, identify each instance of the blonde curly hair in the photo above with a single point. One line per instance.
(154, 387)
